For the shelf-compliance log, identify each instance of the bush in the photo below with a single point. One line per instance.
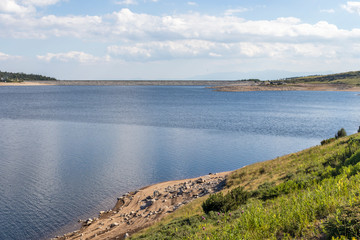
(231, 201)
(214, 203)
(327, 141)
(238, 196)
(340, 133)
(345, 223)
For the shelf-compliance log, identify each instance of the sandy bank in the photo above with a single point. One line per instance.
(25, 83)
(142, 208)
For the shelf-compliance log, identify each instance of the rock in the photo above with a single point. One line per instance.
(126, 235)
(115, 224)
(156, 193)
(147, 204)
(101, 212)
(88, 222)
(200, 180)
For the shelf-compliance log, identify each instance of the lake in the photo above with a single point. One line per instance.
(67, 152)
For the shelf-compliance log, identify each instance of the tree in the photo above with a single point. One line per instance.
(359, 130)
(340, 133)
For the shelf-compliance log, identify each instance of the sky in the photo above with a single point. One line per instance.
(168, 39)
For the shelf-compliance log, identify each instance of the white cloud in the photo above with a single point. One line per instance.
(11, 6)
(153, 51)
(192, 3)
(126, 2)
(126, 25)
(327, 10)
(4, 56)
(231, 12)
(40, 3)
(144, 37)
(24, 7)
(72, 56)
(352, 7)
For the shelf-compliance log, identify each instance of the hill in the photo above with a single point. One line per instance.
(348, 81)
(20, 77)
(350, 78)
(312, 194)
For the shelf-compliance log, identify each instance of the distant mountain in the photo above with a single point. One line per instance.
(19, 77)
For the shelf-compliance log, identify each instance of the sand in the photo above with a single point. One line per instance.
(25, 83)
(142, 208)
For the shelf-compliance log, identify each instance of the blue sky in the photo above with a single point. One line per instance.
(166, 39)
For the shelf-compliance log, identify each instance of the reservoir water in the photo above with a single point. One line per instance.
(67, 152)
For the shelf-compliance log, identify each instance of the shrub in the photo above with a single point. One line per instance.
(327, 141)
(340, 133)
(214, 203)
(262, 170)
(345, 223)
(220, 203)
(236, 197)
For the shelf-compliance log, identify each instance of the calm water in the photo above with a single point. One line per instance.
(68, 152)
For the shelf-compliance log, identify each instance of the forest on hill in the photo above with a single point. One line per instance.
(20, 77)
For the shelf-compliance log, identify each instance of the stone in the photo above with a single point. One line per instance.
(126, 235)
(115, 224)
(88, 222)
(200, 180)
(147, 204)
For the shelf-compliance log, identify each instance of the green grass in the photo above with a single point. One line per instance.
(312, 194)
(349, 78)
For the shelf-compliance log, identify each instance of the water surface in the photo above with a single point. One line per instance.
(69, 151)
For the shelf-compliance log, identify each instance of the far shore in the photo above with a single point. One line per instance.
(216, 85)
(238, 87)
(119, 83)
(144, 207)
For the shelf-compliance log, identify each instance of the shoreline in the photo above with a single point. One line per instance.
(120, 83)
(287, 87)
(142, 208)
(215, 85)
(28, 83)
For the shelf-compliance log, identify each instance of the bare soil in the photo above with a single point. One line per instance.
(142, 208)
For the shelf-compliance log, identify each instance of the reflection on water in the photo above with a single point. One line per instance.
(69, 152)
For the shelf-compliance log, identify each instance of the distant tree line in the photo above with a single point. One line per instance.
(19, 77)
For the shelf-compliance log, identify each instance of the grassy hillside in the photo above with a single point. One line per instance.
(312, 194)
(351, 78)
(19, 77)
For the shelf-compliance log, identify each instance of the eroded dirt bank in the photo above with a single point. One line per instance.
(142, 208)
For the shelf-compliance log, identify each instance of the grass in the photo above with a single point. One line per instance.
(348, 78)
(312, 194)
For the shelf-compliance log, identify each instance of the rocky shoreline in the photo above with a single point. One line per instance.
(142, 208)
(246, 87)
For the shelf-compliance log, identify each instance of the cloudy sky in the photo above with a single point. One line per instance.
(173, 39)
